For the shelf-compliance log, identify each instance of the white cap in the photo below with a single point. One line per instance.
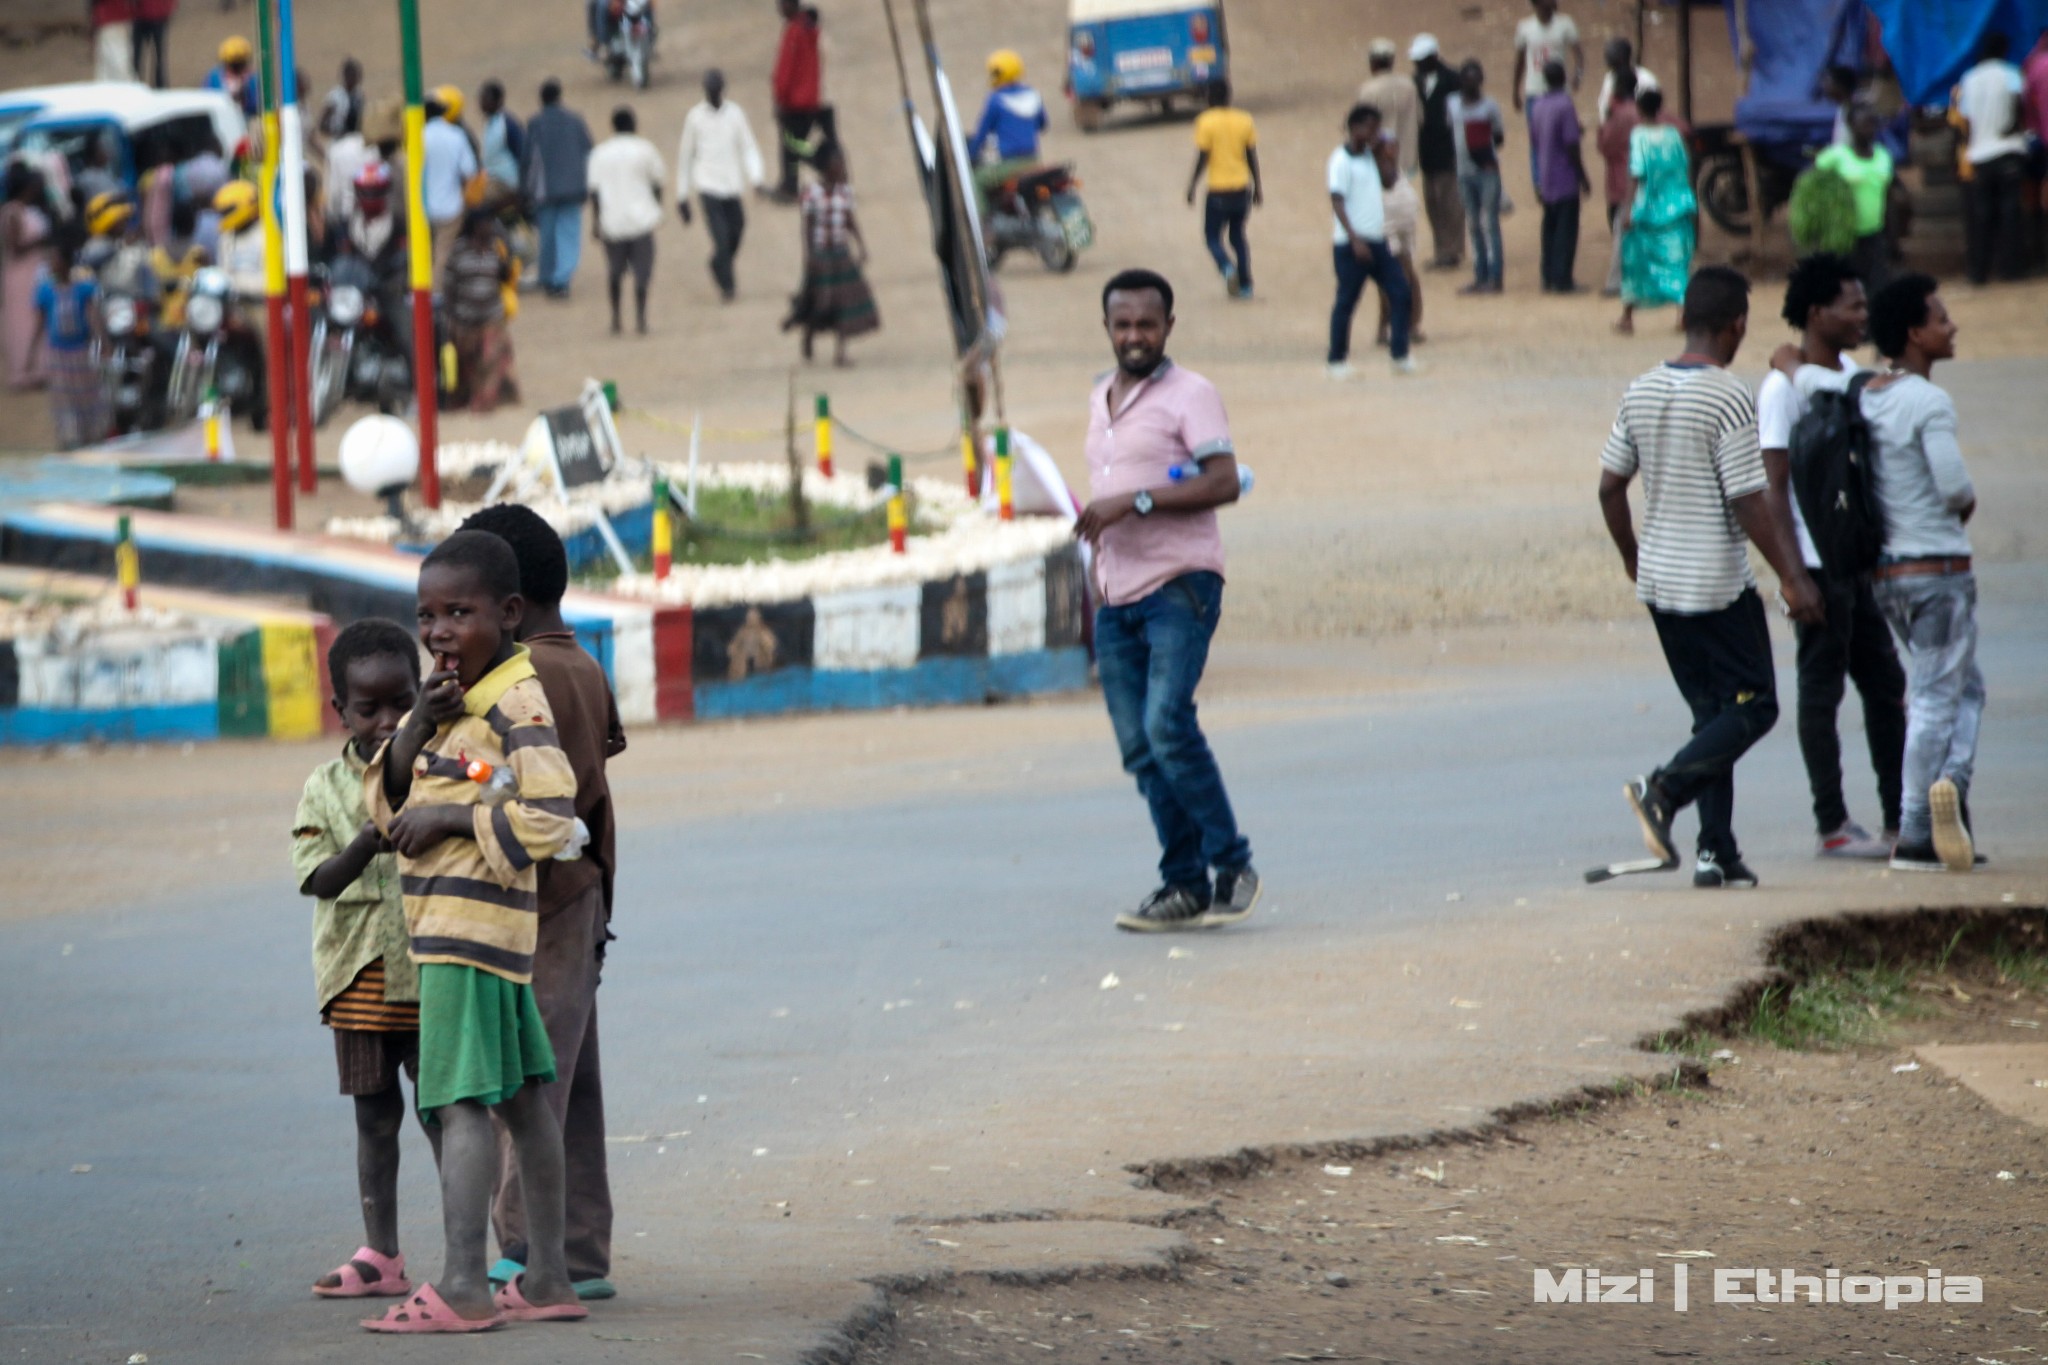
(1383, 47)
(1423, 46)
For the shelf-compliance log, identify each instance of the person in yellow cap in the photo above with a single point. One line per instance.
(115, 251)
(235, 76)
(445, 174)
(1012, 119)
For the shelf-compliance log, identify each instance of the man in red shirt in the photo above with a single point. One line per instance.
(798, 90)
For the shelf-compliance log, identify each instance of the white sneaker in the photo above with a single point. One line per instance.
(1340, 370)
(1407, 364)
(1952, 840)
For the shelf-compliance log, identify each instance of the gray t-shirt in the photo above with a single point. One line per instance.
(1922, 483)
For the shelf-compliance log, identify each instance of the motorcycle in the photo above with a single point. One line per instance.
(357, 353)
(630, 48)
(131, 365)
(1040, 210)
(216, 354)
(1721, 184)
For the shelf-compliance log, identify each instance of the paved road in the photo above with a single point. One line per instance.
(824, 1019)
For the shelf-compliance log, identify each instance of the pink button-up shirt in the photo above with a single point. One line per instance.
(1175, 417)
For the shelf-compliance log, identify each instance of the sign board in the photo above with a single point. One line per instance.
(578, 450)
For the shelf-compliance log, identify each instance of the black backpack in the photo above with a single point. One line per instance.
(1833, 478)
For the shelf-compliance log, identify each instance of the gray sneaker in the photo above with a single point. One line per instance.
(1168, 910)
(1236, 893)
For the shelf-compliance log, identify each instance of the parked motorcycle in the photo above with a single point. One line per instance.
(1040, 211)
(630, 48)
(357, 352)
(132, 367)
(217, 352)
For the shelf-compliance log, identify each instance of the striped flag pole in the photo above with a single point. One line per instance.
(275, 348)
(291, 137)
(425, 373)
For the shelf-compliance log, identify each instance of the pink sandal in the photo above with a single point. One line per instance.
(427, 1311)
(513, 1307)
(368, 1274)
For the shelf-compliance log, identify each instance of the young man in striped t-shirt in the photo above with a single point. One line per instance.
(1689, 427)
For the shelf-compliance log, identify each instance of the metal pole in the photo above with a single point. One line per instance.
(275, 339)
(420, 244)
(292, 166)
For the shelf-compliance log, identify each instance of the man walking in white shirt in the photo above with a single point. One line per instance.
(625, 198)
(719, 159)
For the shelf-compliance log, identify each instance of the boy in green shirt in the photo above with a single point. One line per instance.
(369, 989)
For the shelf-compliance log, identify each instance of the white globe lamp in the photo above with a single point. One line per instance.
(380, 456)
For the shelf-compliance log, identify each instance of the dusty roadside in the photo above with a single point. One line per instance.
(1863, 1160)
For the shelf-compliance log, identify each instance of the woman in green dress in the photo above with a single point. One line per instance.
(1659, 218)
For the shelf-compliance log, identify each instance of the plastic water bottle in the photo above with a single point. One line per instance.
(499, 784)
(1181, 473)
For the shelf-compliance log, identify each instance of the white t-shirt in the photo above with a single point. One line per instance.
(1644, 81)
(1989, 96)
(1542, 44)
(1780, 403)
(625, 174)
(1357, 180)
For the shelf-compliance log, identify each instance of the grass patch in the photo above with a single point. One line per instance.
(743, 526)
(1832, 1008)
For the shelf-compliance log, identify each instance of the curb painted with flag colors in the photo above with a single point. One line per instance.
(1015, 630)
(230, 668)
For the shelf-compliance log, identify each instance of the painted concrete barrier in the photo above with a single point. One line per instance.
(1015, 628)
(77, 668)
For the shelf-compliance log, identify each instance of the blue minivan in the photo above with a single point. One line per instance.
(1153, 51)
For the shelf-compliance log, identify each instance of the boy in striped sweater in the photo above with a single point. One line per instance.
(369, 992)
(468, 841)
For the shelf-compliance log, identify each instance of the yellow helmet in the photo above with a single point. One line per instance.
(236, 204)
(236, 51)
(1005, 67)
(449, 97)
(107, 212)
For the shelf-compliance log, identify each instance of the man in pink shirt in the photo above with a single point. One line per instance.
(1160, 463)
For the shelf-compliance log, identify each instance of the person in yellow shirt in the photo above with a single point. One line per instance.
(1227, 147)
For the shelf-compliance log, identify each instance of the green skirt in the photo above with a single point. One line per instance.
(481, 1038)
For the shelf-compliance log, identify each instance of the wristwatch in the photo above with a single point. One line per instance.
(1142, 504)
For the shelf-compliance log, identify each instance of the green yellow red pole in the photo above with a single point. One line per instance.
(275, 348)
(127, 564)
(420, 244)
(1005, 509)
(291, 164)
(899, 511)
(823, 433)
(664, 538)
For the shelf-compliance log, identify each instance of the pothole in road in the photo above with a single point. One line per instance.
(1871, 1106)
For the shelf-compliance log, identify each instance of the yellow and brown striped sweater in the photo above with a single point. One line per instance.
(473, 901)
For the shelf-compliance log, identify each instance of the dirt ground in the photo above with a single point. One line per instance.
(1803, 1160)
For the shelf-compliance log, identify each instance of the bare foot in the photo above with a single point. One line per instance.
(1626, 326)
(1417, 337)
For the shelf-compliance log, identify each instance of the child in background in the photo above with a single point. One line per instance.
(369, 990)
(575, 911)
(467, 847)
(1404, 222)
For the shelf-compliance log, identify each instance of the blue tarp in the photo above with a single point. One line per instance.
(1932, 42)
(1795, 41)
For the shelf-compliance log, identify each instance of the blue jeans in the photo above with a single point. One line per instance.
(1151, 653)
(1352, 277)
(560, 228)
(1934, 619)
(1480, 191)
